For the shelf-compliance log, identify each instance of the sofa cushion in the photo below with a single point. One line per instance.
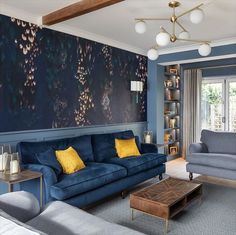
(11, 226)
(104, 144)
(48, 158)
(126, 148)
(219, 142)
(141, 163)
(82, 144)
(70, 160)
(227, 161)
(93, 176)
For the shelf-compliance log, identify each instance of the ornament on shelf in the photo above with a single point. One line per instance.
(172, 122)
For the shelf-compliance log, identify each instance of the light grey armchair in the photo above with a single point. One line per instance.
(214, 156)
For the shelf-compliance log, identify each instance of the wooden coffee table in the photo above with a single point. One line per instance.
(165, 199)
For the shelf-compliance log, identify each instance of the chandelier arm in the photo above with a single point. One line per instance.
(181, 26)
(193, 40)
(137, 19)
(186, 12)
(164, 30)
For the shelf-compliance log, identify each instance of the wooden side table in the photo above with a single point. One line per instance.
(24, 175)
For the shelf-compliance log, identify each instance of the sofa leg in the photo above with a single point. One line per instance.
(123, 194)
(160, 177)
(190, 175)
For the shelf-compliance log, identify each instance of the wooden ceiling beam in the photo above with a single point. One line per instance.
(76, 9)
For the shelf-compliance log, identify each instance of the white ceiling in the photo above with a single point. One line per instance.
(116, 23)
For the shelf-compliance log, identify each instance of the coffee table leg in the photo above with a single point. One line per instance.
(166, 226)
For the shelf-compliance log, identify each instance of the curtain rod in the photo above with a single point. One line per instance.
(219, 66)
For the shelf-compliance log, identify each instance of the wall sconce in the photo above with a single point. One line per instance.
(136, 86)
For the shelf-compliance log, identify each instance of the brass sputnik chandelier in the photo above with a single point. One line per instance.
(163, 37)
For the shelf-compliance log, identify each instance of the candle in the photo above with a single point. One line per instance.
(148, 139)
(3, 158)
(14, 167)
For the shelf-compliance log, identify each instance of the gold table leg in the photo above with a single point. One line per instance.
(166, 226)
(41, 191)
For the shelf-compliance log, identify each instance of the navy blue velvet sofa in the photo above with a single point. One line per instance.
(104, 175)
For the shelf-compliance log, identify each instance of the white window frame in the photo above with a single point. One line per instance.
(225, 80)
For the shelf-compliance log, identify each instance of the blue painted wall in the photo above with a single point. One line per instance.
(155, 79)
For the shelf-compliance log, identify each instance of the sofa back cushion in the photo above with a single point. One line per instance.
(104, 144)
(28, 151)
(219, 142)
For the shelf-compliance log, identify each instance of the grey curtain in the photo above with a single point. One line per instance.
(191, 108)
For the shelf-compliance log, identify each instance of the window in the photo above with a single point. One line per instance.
(218, 104)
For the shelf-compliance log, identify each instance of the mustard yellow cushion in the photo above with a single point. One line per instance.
(126, 148)
(69, 160)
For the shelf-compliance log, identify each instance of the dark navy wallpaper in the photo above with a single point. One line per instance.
(50, 79)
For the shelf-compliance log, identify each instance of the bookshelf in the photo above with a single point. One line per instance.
(172, 111)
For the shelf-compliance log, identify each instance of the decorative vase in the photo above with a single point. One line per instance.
(147, 137)
(5, 150)
(12, 164)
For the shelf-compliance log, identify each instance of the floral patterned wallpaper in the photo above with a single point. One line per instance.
(50, 79)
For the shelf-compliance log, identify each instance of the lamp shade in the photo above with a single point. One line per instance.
(136, 86)
(163, 39)
(140, 27)
(196, 16)
(184, 35)
(204, 50)
(152, 54)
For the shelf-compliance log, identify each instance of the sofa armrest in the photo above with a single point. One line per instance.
(21, 205)
(148, 148)
(49, 178)
(198, 148)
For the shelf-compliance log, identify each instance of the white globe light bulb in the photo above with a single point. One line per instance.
(163, 39)
(196, 16)
(152, 54)
(140, 27)
(184, 35)
(204, 50)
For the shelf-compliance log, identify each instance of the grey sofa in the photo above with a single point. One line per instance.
(214, 156)
(20, 214)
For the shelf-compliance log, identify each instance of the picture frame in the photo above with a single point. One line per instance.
(174, 71)
(173, 150)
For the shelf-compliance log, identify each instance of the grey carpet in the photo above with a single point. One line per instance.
(215, 216)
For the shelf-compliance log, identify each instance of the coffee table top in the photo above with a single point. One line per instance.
(167, 192)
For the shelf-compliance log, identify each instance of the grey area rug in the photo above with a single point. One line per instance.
(215, 216)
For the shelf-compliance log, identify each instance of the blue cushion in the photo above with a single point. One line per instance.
(28, 150)
(48, 158)
(83, 145)
(94, 175)
(144, 162)
(104, 144)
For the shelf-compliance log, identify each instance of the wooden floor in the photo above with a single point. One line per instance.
(177, 169)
